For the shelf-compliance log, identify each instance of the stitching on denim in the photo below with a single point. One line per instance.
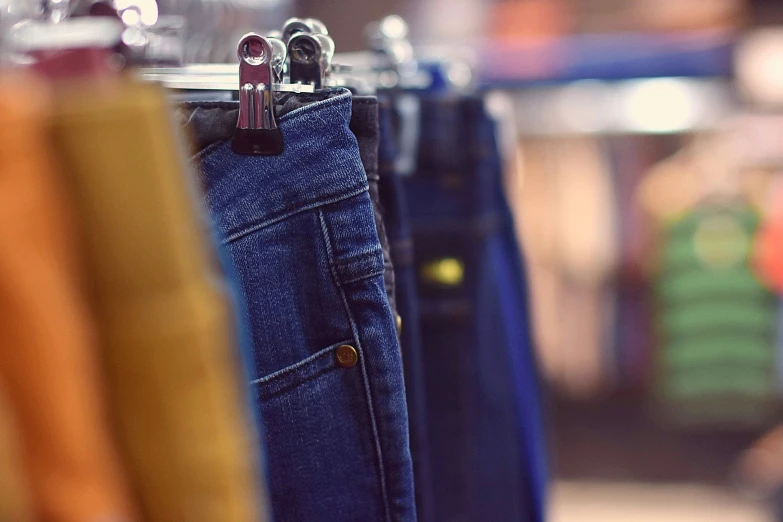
(360, 258)
(310, 206)
(376, 273)
(360, 350)
(317, 355)
(328, 244)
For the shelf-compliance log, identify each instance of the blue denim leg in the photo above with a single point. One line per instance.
(300, 231)
(486, 429)
(511, 275)
(475, 438)
(396, 218)
(507, 268)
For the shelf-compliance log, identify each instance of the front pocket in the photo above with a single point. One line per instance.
(321, 451)
(288, 378)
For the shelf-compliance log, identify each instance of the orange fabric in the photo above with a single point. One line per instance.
(48, 364)
(163, 316)
(14, 490)
(768, 255)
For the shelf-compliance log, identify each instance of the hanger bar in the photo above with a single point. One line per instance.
(361, 59)
(209, 77)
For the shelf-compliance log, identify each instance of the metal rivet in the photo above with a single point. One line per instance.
(347, 356)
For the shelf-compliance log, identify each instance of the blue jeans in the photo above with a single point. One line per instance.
(395, 211)
(485, 428)
(364, 125)
(300, 230)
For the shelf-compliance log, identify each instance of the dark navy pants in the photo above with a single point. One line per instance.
(482, 395)
(395, 214)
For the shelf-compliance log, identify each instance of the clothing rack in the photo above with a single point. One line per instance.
(245, 334)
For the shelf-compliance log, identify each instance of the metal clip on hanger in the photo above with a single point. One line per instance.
(257, 133)
(390, 63)
(388, 39)
(310, 48)
(311, 56)
(399, 67)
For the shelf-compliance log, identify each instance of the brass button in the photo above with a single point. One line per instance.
(398, 322)
(347, 356)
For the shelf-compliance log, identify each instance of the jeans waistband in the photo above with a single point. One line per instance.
(211, 121)
(320, 164)
(364, 125)
(387, 148)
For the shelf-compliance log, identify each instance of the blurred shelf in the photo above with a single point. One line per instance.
(524, 62)
(643, 106)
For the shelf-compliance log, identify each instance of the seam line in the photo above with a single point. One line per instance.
(315, 356)
(363, 364)
(363, 277)
(269, 222)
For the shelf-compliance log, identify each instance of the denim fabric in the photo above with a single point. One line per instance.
(217, 120)
(392, 198)
(301, 232)
(485, 428)
(244, 342)
(364, 125)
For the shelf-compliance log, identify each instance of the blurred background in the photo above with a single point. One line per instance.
(646, 162)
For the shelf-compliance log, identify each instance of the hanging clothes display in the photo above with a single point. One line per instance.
(715, 364)
(319, 314)
(485, 430)
(715, 352)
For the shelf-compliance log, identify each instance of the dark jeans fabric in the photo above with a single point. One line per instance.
(301, 233)
(364, 125)
(395, 211)
(485, 425)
